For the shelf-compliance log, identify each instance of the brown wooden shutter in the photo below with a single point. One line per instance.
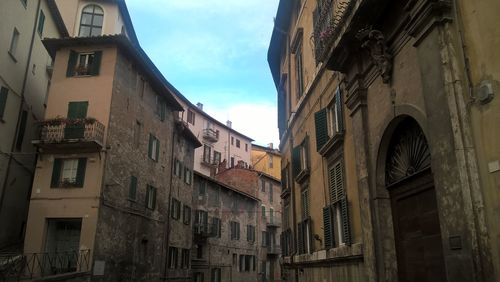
(321, 126)
(73, 57)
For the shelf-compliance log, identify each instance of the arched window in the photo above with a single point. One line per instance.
(91, 21)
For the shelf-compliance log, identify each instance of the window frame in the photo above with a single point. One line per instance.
(57, 181)
(14, 41)
(92, 25)
(175, 209)
(153, 148)
(41, 23)
(186, 215)
(150, 200)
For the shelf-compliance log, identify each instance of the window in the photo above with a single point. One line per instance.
(250, 233)
(242, 263)
(264, 239)
(153, 148)
(298, 70)
(271, 215)
(198, 277)
(178, 168)
(286, 215)
(199, 251)
(201, 221)
(202, 188)
(270, 192)
(263, 211)
(207, 152)
(235, 230)
(217, 157)
(270, 161)
(232, 140)
(235, 259)
(191, 117)
(185, 258)
(132, 190)
(172, 257)
(187, 176)
(335, 216)
(305, 242)
(91, 21)
(247, 263)
(300, 160)
(186, 215)
(68, 173)
(13, 43)
(232, 161)
(41, 23)
(237, 143)
(137, 133)
(216, 275)
(246, 147)
(150, 197)
(175, 209)
(22, 129)
(161, 107)
(285, 178)
(329, 121)
(4, 92)
(216, 226)
(84, 64)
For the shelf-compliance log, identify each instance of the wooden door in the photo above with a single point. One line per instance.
(417, 231)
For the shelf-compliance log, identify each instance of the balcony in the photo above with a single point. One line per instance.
(203, 231)
(33, 266)
(61, 134)
(329, 17)
(210, 135)
(273, 222)
(273, 250)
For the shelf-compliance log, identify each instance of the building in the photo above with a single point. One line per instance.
(25, 70)
(268, 190)
(106, 185)
(380, 111)
(225, 246)
(221, 143)
(266, 160)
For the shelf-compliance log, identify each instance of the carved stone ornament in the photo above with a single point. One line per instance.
(374, 41)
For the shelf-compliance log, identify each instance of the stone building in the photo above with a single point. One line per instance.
(383, 112)
(266, 160)
(25, 71)
(114, 168)
(226, 221)
(268, 190)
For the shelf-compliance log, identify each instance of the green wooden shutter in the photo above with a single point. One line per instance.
(22, 129)
(321, 125)
(150, 146)
(157, 153)
(3, 100)
(77, 110)
(327, 227)
(346, 230)
(340, 113)
(296, 161)
(305, 145)
(133, 188)
(80, 172)
(56, 173)
(147, 195)
(73, 57)
(96, 63)
(154, 198)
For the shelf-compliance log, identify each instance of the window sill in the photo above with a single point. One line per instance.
(332, 144)
(12, 56)
(339, 254)
(302, 176)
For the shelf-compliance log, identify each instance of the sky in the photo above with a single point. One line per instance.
(215, 52)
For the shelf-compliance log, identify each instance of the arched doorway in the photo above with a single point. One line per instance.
(410, 183)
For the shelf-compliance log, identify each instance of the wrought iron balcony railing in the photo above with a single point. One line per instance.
(205, 230)
(328, 17)
(273, 221)
(210, 135)
(69, 132)
(16, 267)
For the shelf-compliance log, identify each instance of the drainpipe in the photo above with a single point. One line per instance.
(25, 79)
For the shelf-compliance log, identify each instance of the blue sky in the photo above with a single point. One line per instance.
(215, 52)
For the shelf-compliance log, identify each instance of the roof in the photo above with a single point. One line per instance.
(267, 149)
(56, 16)
(122, 6)
(252, 170)
(278, 38)
(222, 184)
(184, 130)
(203, 113)
(134, 52)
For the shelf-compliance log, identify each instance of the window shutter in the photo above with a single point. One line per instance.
(346, 231)
(133, 188)
(3, 100)
(305, 145)
(296, 161)
(150, 146)
(77, 110)
(340, 113)
(321, 124)
(157, 153)
(328, 228)
(56, 173)
(336, 182)
(80, 172)
(300, 238)
(73, 57)
(96, 64)
(148, 194)
(153, 190)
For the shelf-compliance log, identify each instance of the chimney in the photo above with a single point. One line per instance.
(270, 145)
(229, 124)
(199, 105)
